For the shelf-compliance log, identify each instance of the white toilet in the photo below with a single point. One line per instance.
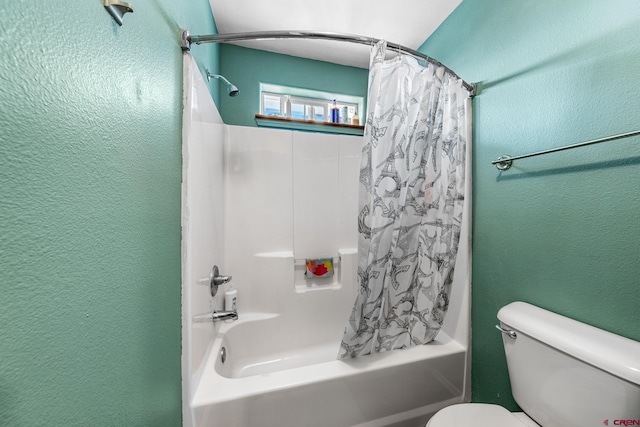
(563, 374)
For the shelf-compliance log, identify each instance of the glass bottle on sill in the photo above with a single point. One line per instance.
(287, 107)
(355, 120)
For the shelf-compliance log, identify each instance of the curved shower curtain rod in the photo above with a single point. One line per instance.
(187, 40)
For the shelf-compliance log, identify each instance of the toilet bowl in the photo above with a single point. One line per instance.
(480, 415)
(563, 373)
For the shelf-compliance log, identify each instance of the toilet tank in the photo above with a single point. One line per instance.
(565, 373)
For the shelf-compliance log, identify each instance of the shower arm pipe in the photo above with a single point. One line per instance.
(217, 76)
(187, 40)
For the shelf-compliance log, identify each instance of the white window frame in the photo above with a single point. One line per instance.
(310, 98)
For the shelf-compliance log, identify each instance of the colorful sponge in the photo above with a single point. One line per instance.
(319, 267)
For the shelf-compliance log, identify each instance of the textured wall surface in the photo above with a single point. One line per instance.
(90, 172)
(559, 231)
(247, 68)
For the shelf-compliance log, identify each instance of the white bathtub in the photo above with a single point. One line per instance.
(280, 367)
(272, 378)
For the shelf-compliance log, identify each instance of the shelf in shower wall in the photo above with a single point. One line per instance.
(308, 125)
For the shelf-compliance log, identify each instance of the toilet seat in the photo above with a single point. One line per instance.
(478, 415)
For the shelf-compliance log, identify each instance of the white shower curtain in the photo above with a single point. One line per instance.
(410, 208)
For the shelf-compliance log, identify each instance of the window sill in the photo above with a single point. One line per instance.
(308, 125)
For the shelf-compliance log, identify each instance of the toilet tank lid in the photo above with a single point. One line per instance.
(612, 353)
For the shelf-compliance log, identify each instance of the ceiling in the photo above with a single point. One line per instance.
(406, 22)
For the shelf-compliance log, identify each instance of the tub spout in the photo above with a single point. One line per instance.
(219, 316)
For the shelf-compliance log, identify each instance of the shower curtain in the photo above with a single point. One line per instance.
(410, 205)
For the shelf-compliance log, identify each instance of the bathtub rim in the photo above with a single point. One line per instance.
(208, 391)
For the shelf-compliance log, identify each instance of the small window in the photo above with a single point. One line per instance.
(271, 105)
(307, 104)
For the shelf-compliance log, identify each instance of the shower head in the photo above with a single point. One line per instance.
(232, 90)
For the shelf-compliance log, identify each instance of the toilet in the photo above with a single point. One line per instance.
(563, 373)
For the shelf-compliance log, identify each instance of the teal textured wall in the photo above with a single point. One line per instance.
(90, 173)
(247, 68)
(559, 231)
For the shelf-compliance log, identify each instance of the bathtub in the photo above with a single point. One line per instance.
(272, 376)
(276, 365)
(280, 367)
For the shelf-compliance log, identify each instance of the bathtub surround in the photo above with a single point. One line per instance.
(202, 220)
(286, 197)
(412, 182)
(282, 190)
(558, 231)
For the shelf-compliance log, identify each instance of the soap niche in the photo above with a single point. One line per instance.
(304, 284)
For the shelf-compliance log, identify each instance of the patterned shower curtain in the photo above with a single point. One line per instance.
(410, 207)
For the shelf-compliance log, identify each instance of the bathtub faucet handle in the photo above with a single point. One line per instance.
(216, 279)
(221, 280)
